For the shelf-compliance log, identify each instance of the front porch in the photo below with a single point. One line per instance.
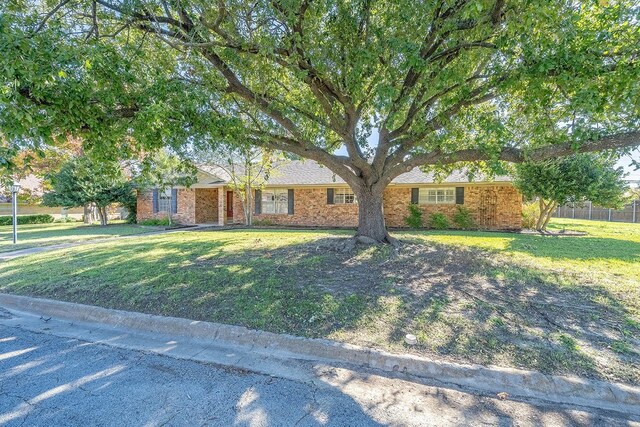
(215, 206)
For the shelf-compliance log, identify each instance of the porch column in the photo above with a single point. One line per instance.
(222, 210)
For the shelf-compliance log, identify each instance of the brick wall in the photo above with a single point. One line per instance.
(310, 208)
(206, 205)
(496, 206)
(186, 207)
(492, 206)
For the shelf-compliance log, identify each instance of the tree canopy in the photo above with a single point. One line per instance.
(445, 82)
(574, 179)
(82, 181)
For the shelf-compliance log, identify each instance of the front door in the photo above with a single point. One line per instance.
(229, 204)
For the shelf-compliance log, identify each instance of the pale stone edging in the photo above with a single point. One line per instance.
(516, 382)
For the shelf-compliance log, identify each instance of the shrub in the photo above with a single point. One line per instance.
(530, 215)
(414, 220)
(438, 221)
(263, 223)
(155, 221)
(463, 219)
(27, 219)
(66, 219)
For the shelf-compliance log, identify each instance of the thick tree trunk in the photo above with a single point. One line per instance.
(371, 215)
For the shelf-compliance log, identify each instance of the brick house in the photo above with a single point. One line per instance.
(304, 193)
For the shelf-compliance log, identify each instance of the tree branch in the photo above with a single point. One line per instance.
(515, 155)
(49, 15)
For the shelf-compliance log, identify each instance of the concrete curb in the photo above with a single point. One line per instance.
(516, 382)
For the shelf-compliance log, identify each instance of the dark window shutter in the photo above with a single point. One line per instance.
(459, 195)
(330, 196)
(415, 194)
(155, 200)
(174, 200)
(290, 201)
(258, 202)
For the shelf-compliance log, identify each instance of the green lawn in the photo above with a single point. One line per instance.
(33, 235)
(610, 251)
(555, 304)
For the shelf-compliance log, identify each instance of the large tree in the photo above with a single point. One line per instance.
(442, 82)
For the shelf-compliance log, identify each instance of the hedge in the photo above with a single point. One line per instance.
(27, 219)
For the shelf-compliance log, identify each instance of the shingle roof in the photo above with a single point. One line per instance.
(309, 172)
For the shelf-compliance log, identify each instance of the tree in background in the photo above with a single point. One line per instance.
(575, 179)
(162, 170)
(442, 83)
(82, 181)
(34, 164)
(248, 168)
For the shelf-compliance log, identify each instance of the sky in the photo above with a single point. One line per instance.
(625, 163)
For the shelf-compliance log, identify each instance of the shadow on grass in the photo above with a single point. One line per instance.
(462, 304)
(557, 247)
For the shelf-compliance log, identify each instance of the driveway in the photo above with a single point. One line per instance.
(47, 380)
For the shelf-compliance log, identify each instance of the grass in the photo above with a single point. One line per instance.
(554, 304)
(610, 251)
(34, 235)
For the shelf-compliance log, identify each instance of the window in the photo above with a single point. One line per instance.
(436, 196)
(164, 200)
(344, 196)
(275, 201)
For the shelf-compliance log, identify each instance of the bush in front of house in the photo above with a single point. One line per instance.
(438, 221)
(530, 215)
(414, 219)
(27, 219)
(463, 218)
(155, 222)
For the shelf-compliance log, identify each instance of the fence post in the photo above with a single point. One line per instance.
(609, 214)
(635, 203)
(590, 206)
(573, 212)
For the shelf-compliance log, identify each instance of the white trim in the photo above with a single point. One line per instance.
(431, 196)
(344, 192)
(277, 191)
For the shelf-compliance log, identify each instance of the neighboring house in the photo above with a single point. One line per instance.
(306, 194)
(30, 186)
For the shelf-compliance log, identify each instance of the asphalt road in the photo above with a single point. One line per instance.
(47, 380)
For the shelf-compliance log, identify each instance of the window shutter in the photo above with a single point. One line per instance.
(415, 194)
(258, 202)
(290, 201)
(174, 200)
(155, 200)
(330, 196)
(459, 195)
